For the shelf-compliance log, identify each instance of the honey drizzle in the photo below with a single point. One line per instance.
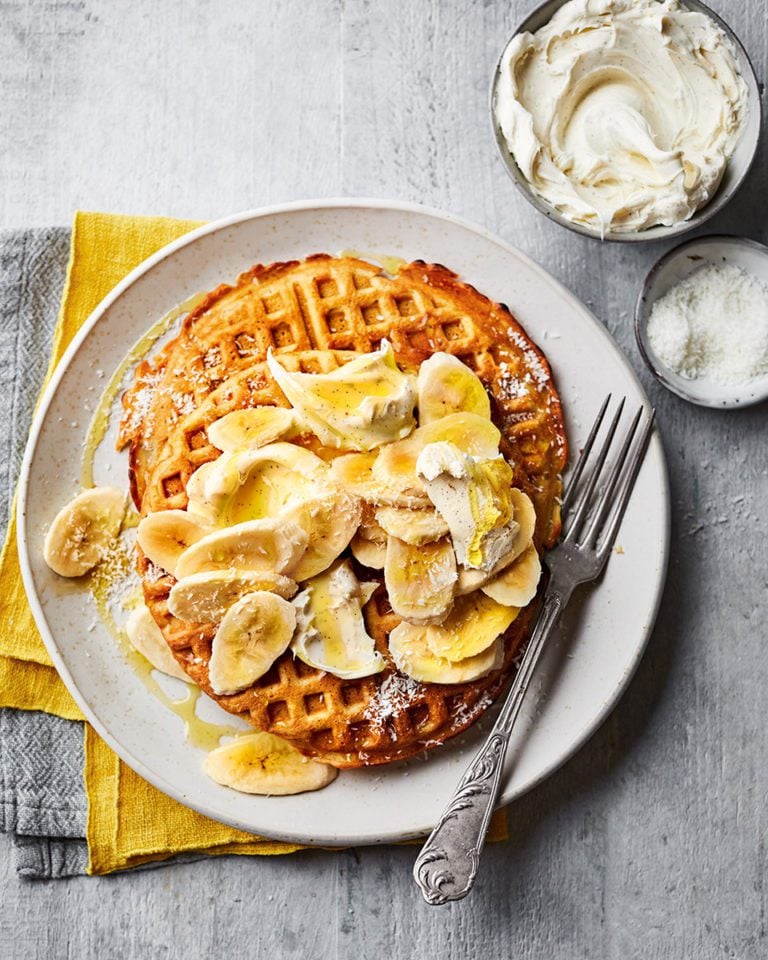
(198, 732)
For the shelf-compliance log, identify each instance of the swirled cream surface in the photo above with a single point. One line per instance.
(622, 114)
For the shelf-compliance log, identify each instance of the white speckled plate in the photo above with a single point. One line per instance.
(584, 673)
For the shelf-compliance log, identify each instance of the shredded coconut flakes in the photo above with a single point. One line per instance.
(393, 697)
(713, 324)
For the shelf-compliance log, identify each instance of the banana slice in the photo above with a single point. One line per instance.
(82, 531)
(472, 626)
(517, 585)
(359, 406)
(330, 523)
(198, 504)
(446, 385)
(525, 517)
(368, 552)
(268, 765)
(206, 597)
(331, 633)
(252, 635)
(412, 656)
(165, 535)
(254, 427)
(395, 465)
(369, 528)
(258, 546)
(420, 580)
(253, 484)
(353, 472)
(412, 526)
(146, 637)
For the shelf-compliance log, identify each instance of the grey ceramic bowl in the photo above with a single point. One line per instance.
(675, 266)
(735, 172)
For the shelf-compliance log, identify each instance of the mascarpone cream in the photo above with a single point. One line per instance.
(622, 114)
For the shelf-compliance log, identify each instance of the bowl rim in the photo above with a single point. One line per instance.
(700, 216)
(642, 312)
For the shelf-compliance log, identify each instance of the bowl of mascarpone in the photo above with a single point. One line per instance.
(626, 120)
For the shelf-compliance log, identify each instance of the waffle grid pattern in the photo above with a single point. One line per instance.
(316, 315)
(332, 718)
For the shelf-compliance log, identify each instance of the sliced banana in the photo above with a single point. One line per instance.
(420, 580)
(252, 635)
(252, 484)
(525, 517)
(198, 504)
(206, 597)
(446, 385)
(146, 637)
(412, 656)
(369, 528)
(82, 531)
(331, 633)
(165, 535)
(368, 552)
(516, 585)
(353, 472)
(359, 406)
(257, 546)
(250, 428)
(330, 523)
(412, 526)
(395, 465)
(472, 626)
(265, 764)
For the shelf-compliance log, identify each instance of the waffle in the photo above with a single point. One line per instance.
(317, 314)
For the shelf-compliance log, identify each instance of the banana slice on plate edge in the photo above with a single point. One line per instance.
(265, 764)
(147, 638)
(82, 531)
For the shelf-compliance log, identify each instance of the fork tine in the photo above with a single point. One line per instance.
(598, 519)
(626, 487)
(584, 500)
(585, 451)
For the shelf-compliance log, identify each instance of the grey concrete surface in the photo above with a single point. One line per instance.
(651, 841)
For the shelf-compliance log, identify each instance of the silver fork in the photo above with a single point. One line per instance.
(446, 867)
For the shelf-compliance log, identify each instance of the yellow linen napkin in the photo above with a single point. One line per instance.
(129, 821)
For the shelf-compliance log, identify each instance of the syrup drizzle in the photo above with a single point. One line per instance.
(115, 569)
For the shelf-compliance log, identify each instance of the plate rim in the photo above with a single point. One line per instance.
(307, 206)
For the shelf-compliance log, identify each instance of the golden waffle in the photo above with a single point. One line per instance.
(316, 314)
(348, 723)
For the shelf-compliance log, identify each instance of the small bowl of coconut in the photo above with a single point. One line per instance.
(701, 321)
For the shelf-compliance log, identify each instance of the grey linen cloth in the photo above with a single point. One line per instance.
(42, 795)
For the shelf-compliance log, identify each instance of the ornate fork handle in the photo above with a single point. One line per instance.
(447, 865)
